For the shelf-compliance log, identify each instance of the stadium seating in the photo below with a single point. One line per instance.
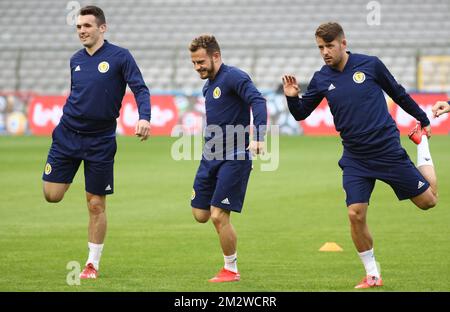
(264, 37)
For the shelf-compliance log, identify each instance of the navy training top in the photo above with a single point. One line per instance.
(98, 85)
(228, 100)
(357, 103)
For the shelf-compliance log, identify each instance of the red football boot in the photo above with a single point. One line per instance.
(225, 275)
(415, 134)
(89, 272)
(370, 281)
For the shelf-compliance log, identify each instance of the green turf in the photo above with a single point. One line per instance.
(153, 243)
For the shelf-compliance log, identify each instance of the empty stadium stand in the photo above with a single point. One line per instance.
(264, 37)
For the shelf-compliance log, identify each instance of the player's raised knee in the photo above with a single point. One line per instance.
(201, 219)
(54, 192)
(426, 200)
(428, 204)
(53, 197)
(200, 215)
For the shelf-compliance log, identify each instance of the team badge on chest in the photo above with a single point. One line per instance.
(359, 77)
(216, 93)
(103, 67)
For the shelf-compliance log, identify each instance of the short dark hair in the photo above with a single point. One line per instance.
(207, 42)
(96, 11)
(330, 31)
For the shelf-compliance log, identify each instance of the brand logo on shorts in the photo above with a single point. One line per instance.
(225, 201)
(359, 77)
(108, 188)
(48, 169)
(103, 67)
(420, 184)
(216, 93)
(193, 195)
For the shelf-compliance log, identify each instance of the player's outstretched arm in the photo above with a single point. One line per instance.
(441, 107)
(290, 86)
(301, 108)
(142, 129)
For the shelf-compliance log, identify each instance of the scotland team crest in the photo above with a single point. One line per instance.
(103, 67)
(359, 77)
(216, 93)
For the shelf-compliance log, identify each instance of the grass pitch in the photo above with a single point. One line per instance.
(153, 243)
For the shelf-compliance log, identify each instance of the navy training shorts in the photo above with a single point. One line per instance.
(359, 176)
(67, 151)
(221, 183)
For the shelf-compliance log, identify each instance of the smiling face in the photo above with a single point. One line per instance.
(89, 32)
(206, 65)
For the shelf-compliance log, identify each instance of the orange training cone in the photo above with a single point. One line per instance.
(331, 246)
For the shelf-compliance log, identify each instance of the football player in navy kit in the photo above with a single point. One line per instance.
(353, 85)
(86, 132)
(221, 180)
